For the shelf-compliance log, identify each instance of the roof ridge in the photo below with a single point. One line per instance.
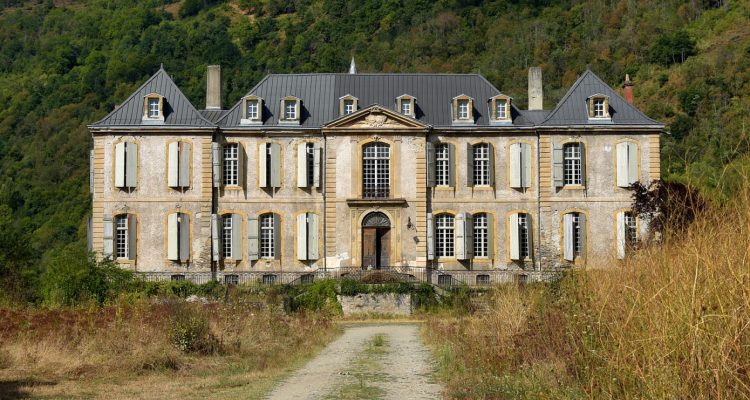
(237, 104)
(567, 95)
(186, 98)
(132, 95)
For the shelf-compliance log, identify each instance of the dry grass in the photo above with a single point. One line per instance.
(127, 351)
(672, 322)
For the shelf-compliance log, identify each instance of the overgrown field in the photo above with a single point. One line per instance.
(672, 322)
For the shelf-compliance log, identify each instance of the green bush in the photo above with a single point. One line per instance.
(317, 296)
(351, 287)
(190, 331)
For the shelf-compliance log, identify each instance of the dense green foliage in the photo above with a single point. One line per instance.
(66, 64)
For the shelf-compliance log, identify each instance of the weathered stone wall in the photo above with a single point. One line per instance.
(380, 303)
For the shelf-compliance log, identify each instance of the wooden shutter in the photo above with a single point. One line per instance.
(312, 237)
(173, 237)
(491, 166)
(185, 157)
(632, 163)
(302, 165)
(132, 236)
(173, 164)
(302, 237)
(459, 232)
(530, 234)
(568, 235)
(184, 236)
(469, 235)
(253, 232)
(275, 165)
(120, 165)
(514, 245)
(262, 162)
(430, 148)
(526, 164)
(216, 163)
(430, 238)
(583, 164)
(108, 247)
(583, 226)
(557, 164)
(240, 165)
(469, 165)
(622, 164)
(490, 236)
(276, 236)
(620, 235)
(515, 162)
(317, 158)
(91, 171)
(131, 164)
(215, 237)
(236, 236)
(451, 164)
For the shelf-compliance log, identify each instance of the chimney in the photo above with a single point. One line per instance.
(536, 95)
(213, 88)
(627, 89)
(352, 67)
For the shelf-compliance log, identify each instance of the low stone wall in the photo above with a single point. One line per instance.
(380, 303)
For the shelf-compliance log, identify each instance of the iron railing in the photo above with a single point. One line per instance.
(377, 192)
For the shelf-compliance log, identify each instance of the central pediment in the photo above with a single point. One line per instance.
(375, 117)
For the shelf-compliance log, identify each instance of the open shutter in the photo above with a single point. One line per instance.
(302, 165)
(583, 164)
(108, 238)
(172, 237)
(131, 164)
(215, 237)
(302, 237)
(526, 164)
(568, 235)
(459, 232)
(557, 164)
(491, 165)
(241, 165)
(530, 234)
(632, 163)
(514, 245)
(275, 165)
(91, 171)
(173, 161)
(430, 164)
(184, 237)
(582, 227)
(430, 238)
(312, 237)
(490, 236)
(622, 164)
(132, 237)
(451, 165)
(620, 235)
(120, 165)
(252, 237)
(469, 165)
(236, 236)
(317, 158)
(276, 236)
(515, 162)
(216, 163)
(185, 157)
(262, 163)
(469, 235)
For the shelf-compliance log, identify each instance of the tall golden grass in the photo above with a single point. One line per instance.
(670, 322)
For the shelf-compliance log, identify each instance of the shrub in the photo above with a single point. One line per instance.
(317, 296)
(190, 331)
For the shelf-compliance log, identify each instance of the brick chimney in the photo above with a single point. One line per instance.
(536, 95)
(627, 89)
(213, 88)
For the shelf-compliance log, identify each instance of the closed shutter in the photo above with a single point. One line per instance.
(451, 165)
(252, 237)
(277, 236)
(568, 235)
(515, 163)
(302, 237)
(184, 237)
(469, 165)
(620, 235)
(275, 165)
(312, 237)
(172, 237)
(173, 164)
(526, 164)
(632, 163)
(131, 164)
(583, 226)
(491, 165)
(302, 165)
(216, 163)
(430, 238)
(622, 164)
(236, 236)
(241, 165)
(108, 238)
(317, 158)
(120, 165)
(215, 237)
(262, 162)
(430, 164)
(557, 164)
(91, 171)
(514, 245)
(132, 236)
(460, 237)
(185, 157)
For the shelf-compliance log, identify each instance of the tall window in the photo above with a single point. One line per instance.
(121, 238)
(252, 109)
(482, 164)
(348, 107)
(599, 108)
(310, 161)
(153, 107)
(226, 236)
(290, 109)
(577, 242)
(572, 164)
(501, 109)
(442, 165)
(481, 235)
(231, 164)
(444, 235)
(523, 236)
(405, 107)
(267, 237)
(376, 170)
(631, 229)
(463, 109)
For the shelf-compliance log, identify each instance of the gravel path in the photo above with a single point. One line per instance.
(403, 369)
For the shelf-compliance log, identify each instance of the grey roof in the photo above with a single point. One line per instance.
(178, 111)
(572, 108)
(213, 115)
(320, 95)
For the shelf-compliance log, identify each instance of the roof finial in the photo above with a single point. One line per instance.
(161, 66)
(353, 67)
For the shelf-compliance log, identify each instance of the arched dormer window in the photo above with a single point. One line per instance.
(598, 106)
(463, 110)
(347, 104)
(405, 104)
(153, 108)
(252, 110)
(500, 109)
(290, 110)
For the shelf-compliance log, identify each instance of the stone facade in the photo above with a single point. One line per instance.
(376, 303)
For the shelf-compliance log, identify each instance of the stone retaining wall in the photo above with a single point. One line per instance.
(381, 303)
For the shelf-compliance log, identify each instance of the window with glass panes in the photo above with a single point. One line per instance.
(482, 164)
(267, 245)
(231, 164)
(290, 109)
(442, 165)
(483, 279)
(481, 241)
(572, 164)
(121, 236)
(463, 109)
(153, 107)
(405, 106)
(501, 109)
(310, 159)
(252, 109)
(376, 170)
(577, 243)
(444, 235)
(348, 107)
(523, 236)
(226, 236)
(631, 229)
(599, 107)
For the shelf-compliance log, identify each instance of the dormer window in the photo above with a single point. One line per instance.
(500, 109)
(290, 110)
(405, 105)
(598, 107)
(153, 108)
(347, 104)
(252, 110)
(463, 110)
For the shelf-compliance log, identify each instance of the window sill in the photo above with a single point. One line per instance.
(246, 121)
(232, 188)
(443, 187)
(573, 187)
(483, 187)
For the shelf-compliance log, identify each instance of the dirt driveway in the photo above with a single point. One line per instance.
(367, 362)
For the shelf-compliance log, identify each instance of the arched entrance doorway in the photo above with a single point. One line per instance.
(376, 240)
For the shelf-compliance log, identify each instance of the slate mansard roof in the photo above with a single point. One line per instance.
(320, 94)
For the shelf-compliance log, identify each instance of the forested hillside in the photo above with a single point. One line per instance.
(65, 64)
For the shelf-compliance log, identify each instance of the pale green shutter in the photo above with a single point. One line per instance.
(515, 163)
(120, 165)
(622, 164)
(276, 236)
(185, 158)
(526, 163)
(514, 245)
(236, 236)
(173, 161)
(131, 165)
(275, 165)
(451, 165)
(583, 163)
(173, 237)
(253, 233)
(469, 165)
(557, 165)
(108, 247)
(132, 236)
(469, 235)
(241, 172)
(491, 165)
(584, 244)
(184, 236)
(490, 236)
(302, 165)
(216, 163)
(632, 163)
(568, 235)
(215, 237)
(620, 235)
(430, 238)
(302, 237)
(459, 229)
(317, 161)
(262, 162)
(312, 237)
(430, 164)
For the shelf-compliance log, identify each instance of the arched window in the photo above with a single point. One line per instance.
(376, 180)
(444, 235)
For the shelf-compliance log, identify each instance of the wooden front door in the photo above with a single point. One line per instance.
(369, 247)
(384, 244)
